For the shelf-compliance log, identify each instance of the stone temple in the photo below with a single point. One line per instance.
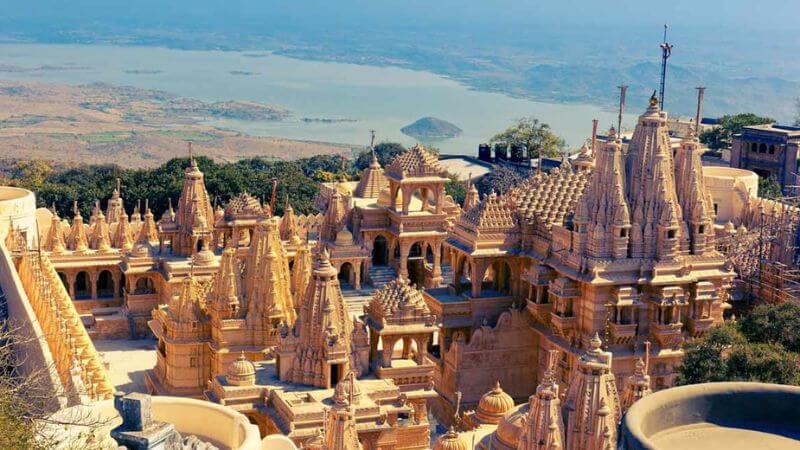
(530, 320)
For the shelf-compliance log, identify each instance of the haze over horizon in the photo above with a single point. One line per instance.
(565, 51)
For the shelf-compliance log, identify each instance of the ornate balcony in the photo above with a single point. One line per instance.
(540, 311)
(564, 326)
(667, 335)
(699, 327)
(623, 333)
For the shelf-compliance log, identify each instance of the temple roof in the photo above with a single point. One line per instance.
(243, 206)
(550, 199)
(415, 162)
(398, 303)
(372, 180)
(493, 212)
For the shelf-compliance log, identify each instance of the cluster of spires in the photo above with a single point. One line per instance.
(585, 417)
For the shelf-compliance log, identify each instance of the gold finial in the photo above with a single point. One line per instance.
(654, 99)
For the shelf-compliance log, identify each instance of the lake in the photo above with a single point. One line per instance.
(381, 98)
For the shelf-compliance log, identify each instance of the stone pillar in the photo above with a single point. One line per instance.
(476, 282)
(406, 200)
(404, 249)
(406, 347)
(439, 190)
(422, 348)
(115, 276)
(71, 284)
(357, 275)
(93, 284)
(388, 348)
(436, 278)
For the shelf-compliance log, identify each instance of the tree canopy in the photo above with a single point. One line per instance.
(721, 136)
(385, 151)
(763, 346)
(532, 134)
(298, 180)
(769, 188)
(500, 180)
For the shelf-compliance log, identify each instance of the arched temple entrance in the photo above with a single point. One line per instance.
(105, 285)
(346, 273)
(416, 265)
(82, 289)
(380, 251)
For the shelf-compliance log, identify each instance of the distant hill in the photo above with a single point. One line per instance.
(431, 128)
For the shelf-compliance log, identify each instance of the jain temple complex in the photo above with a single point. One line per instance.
(395, 319)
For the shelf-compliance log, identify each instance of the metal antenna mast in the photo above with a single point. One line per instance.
(622, 90)
(700, 92)
(666, 52)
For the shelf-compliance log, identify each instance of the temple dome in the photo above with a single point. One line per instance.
(348, 389)
(510, 427)
(344, 188)
(241, 372)
(344, 237)
(494, 405)
(450, 441)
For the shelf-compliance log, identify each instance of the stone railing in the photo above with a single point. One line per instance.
(76, 360)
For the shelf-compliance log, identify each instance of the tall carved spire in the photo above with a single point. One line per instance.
(195, 215)
(267, 284)
(56, 242)
(471, 198)
(148, 232)
(225, 299)
(698, 209)
(123, 234)
(185, 309)
(592, 405)
(334, 218)
(288, 227)
(340, 431)
(76, 239)
(319, 344)
(301, 274)
(544, 426)
(637, 385)
(650, 191)
(115, 206)
(100, 238)
(602, 214)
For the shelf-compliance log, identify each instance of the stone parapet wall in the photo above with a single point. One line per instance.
(77, 362)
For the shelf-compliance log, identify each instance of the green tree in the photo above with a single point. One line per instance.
(385, 152)
(703, 359)
(767, 363)
(456, 189)
(500, 181)
(778, 324)
(721, 136)
(531, 133)
(769, 188)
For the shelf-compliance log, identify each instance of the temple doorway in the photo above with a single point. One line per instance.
(416, 265)
(335, 374)
(105, 285)
(346, 273)
(82, 286)
(380, 251)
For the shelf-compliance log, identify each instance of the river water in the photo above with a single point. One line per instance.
(381, 98)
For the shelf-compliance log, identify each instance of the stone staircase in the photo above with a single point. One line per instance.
(380, 275)
(447, 274)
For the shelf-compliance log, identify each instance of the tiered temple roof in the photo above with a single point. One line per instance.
(415, 162)
(398, 304)
(550, 199)
(372, 180)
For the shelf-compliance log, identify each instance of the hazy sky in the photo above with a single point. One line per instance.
(763, 15)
